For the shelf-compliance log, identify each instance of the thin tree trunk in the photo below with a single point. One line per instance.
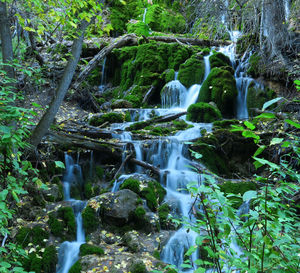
(47, 119)
(7, 48)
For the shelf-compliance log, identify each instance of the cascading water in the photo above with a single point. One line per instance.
(68, 252)
(102, 84)
(144, 15)
(287, 9)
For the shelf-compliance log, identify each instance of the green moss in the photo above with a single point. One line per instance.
(154, 194)
(35, 235)
(39, 235)
(23, 236)
(99, 172)
(56, 226)
(138, 267)
(254, 65)
(225, 123)
(139, 213)
(203, 112)
(128, 117)
(156, 254)
(67, 214)
(192, 71)
(36, 264)
(76, 268)
(138, 27)
(163, 212)
(131, 184)
(181, 124)
(107, 117)
(168, 75)
(211, 158)
(220, 87)
(90, 220)
(87, 249)
(50, 259)
(88, 190)
(218, 59)
(256, 97)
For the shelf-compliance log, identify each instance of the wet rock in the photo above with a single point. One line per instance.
(121, 104)
(53, 193)
(131, 239)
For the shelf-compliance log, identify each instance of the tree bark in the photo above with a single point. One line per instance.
(125, 40)
(7, 48)
(47, 119)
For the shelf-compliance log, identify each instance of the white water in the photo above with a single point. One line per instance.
(68, 252)
(144, 15)
(287, 9)
(102, 84)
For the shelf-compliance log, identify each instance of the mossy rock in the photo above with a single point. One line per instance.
(225, 123)
(139, 213)
(211, 158)
(68, 216)
(90, 219)
(254, 65)
(168, 75)
(154, 194)
(107, 117)
(138, 267)
(192, 71)
(163, 212)
(220, 87)
(136, 95)
(218, 59)
(240, 188)
(49, 259)
(256, 97)
(131, 184)
(203, 112)
(56, 226)
(138, 27)
(99, 172)
(87, 249)
(76, 268)
(35, 235)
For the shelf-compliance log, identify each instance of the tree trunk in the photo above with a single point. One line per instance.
(47, 119)
(7, 48)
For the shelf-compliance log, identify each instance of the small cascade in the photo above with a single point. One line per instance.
(287, 9)
(144, 15)
(68, 252)
(194, 90)
(102, 84)
(173, 94)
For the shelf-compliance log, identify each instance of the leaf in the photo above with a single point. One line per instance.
(270, 102)
(260, 150)
(276, 140)
(250, 134)
(3, 195)
(249, 125)
(266, 115)
(15, 196)
(248, 195)
(295, 124)
(267, 162)
(191, 250)
(59, 164)
(200, 270)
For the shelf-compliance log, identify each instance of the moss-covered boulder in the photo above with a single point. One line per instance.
(203, 112)
(107, 117)
(192, 71)
(154, 194)
(220, 87)
(90, 217)
(35, 235)
(87, 249)
(131, 184)
(138, 27)
(218, 59)
(257, 96)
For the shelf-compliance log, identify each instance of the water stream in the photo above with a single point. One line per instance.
(68, 252)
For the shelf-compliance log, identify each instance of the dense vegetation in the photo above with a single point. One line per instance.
(45, 99)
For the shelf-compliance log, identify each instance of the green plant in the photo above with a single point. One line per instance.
(267, 233)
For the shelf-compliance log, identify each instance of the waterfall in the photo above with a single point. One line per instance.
(287, 9)
(68, 252)
(144, 15)
(102, 84)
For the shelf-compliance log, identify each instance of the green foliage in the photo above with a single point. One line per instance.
(49, 259)
(67, 214)
(163, 213)
(219, 87)
(87, 249)
(140, 213)
(254, 65)
(138, 27)
(192, 71)
(203, 112)
(267, 232)
(131, 184)
(56, 226)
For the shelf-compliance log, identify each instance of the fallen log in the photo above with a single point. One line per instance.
(160, 119)
(188, 41)
(145, 165)
(118, 42)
